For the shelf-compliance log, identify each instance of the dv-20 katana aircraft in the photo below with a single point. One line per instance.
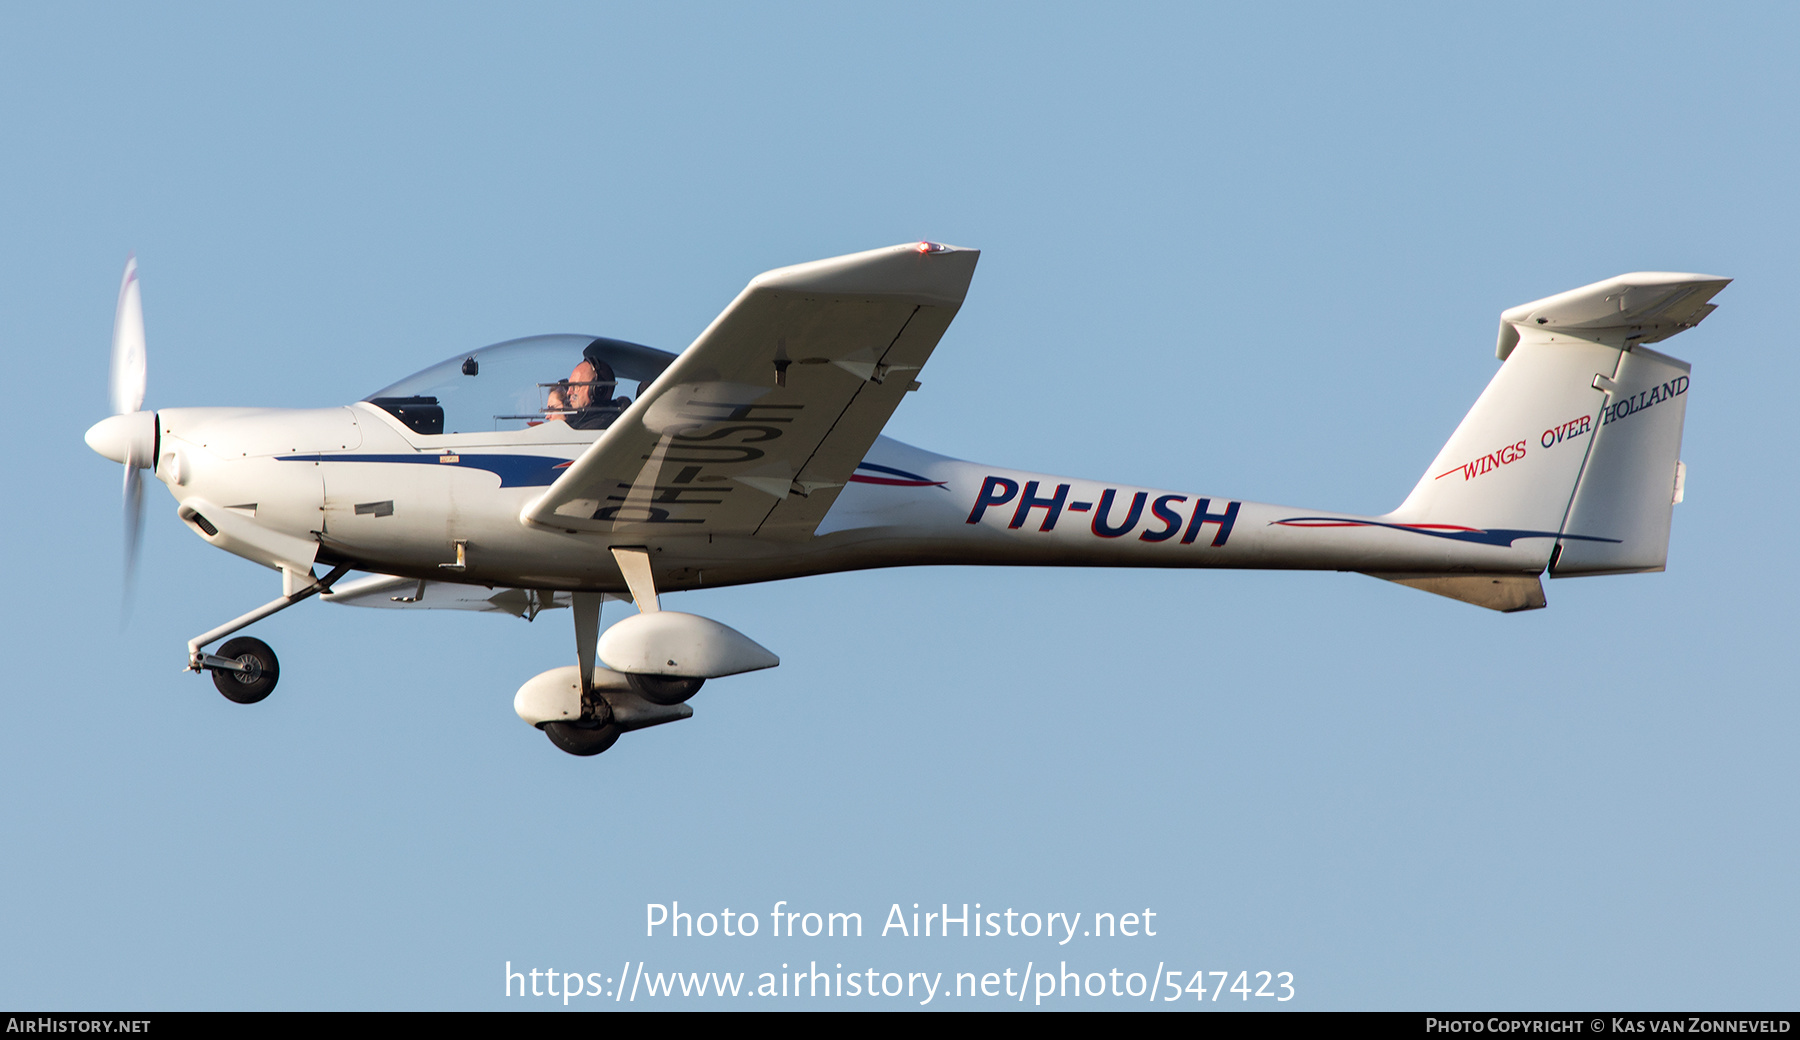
(561, 471)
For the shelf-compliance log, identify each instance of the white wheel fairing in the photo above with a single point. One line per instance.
(668, 642)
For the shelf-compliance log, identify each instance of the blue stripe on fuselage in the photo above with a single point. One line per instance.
(1502, 537)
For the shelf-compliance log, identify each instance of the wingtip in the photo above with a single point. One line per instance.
(891, 271)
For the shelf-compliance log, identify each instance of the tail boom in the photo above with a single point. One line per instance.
(948, 511)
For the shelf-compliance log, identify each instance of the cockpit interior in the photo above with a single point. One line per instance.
(586, 382)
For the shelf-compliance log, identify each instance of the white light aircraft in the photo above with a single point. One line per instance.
(562, 471)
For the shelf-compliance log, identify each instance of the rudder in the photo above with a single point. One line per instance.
(1627, 489)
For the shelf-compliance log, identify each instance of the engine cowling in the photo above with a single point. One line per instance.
(667, 642)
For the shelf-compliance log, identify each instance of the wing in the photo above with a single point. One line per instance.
(394, 592)
(757, 426)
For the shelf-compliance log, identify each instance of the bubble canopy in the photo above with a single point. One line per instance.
(585, 381)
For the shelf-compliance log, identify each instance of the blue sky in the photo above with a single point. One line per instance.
(1258, 253)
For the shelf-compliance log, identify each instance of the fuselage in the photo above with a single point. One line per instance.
(355, 485)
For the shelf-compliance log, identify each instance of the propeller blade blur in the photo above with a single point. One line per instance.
(134, 523)
(130, 365)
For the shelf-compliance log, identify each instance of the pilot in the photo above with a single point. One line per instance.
(585, 399)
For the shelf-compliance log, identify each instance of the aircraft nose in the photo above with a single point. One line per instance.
(129, 438)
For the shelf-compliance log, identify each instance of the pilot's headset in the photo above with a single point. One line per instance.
(605, 382)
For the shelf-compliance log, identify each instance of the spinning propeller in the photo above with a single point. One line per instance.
(129, 436)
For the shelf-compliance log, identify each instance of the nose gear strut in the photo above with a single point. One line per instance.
(249, 668)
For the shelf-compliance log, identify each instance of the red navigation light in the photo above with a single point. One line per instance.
(931, 247)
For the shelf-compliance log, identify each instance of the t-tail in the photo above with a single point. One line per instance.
(1575, 445)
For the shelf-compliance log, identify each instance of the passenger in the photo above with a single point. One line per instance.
(556, 408)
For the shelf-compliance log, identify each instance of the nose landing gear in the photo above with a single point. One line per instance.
(245, 669)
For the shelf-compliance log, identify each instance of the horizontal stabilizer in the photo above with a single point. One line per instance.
(1642, 307)
(1503, 592)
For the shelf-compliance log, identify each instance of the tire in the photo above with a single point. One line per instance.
(259, 682)
(665, 690)
(576, 740)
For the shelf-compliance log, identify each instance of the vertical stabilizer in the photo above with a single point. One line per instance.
(1499, 470)
(1573, 446)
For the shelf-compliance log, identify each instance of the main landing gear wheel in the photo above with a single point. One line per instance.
(578, 739)
(257, 680)
(664, 689)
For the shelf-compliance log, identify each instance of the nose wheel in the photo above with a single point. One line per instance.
(256, 672)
